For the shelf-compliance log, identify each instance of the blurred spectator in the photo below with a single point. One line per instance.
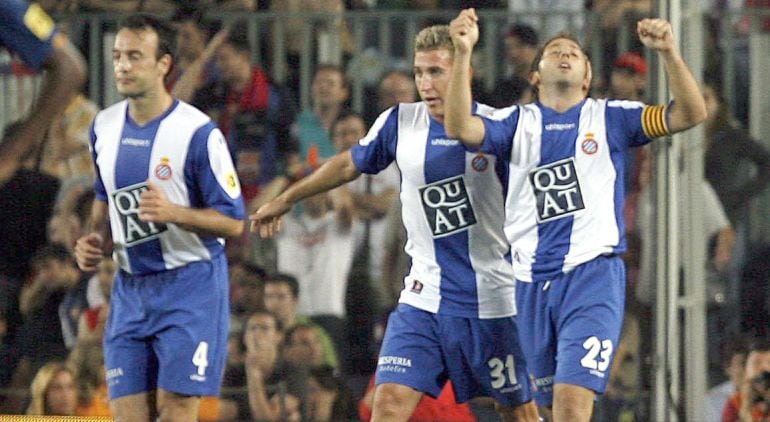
(281, 297)
(253, 113)
(395, 86)
(194, 67)
(616, 21)
(442, 408)
(53, 391)
(521, 44)
(302, 346)
(266, 373)
(628, 77)
(752, 401)
(152, 6)
(26, 203)
(329, 399)
(737, 166)
(316, 247)
(330, 37)
(733, 365)
(65, 151)
(329, 93)
(247, 289)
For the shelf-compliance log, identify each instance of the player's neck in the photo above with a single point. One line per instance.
(560, 100)
(148, 107)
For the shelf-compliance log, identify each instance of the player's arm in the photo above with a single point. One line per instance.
(91, 247)
(689, 107)
(458, 120)
(64, 77)
(155, 207)
(336, 171)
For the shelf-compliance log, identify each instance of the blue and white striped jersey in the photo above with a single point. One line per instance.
(183, 153)
(564, 204)
(452, 208)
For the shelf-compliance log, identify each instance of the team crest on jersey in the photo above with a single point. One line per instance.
(480, 162)
(589, 145)
(557, 190)
(135, 231)
(163, 170)
(447, 206)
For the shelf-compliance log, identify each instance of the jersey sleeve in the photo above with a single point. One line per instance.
(99, 190)
(27, 31)
(210, 173)
(499, 128)
(640, 123)
(377, 149)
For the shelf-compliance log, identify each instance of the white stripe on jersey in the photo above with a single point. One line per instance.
(495, 295)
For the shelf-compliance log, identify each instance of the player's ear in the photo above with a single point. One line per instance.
(534, 78)
(164, 64)
(589, 75)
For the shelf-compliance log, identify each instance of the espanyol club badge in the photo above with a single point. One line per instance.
(479, 162)
(163, 170)
(589, 145)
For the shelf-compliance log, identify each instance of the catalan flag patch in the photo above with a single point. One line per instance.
(654, 121)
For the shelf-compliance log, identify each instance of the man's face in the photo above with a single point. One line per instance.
(261, 332)
(626, 84)
(306, 347)
(279, 300)
(61, 396)
(328, 88)
(231, 63)
(564, 64)
(431, 75)
(137, 70)
(394, 89)
(517, 51)
(347, 132)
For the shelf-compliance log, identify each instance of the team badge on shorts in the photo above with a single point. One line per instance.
(589, 145)
(163, 170)
(479, 162)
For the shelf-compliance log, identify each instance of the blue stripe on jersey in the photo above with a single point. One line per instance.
(554, 236)
(138, 153)
(205, 191)
(458, 280)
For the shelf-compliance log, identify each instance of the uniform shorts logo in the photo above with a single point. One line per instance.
(447, 206)
(135, 231)
(163, 170)
(557, 190)
(479, 162)
(589, 145)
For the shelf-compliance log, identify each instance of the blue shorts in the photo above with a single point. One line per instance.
(482, 357)
(168, 330)
(570, 326)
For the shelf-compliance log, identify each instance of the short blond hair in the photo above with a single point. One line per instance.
(434, 38)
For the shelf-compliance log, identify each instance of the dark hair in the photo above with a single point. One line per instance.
(334, 68)
(166, 33)
(238, 38)
(281, 278)
(344, 115)
(525, 33)
(288, 339)
(759, 344)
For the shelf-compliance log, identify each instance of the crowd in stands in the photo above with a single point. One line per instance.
(308, 307)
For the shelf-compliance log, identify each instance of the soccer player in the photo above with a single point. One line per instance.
(30, 33)
(167, 185)
(455, 319)
(564, 158)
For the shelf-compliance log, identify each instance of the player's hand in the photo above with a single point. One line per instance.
(464, 30)
(89, 251)
(154, 206)
(267, 219)
(656, 34)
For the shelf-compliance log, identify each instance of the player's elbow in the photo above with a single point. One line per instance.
(69, 65)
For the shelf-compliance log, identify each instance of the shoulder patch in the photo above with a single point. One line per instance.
(38, 22)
